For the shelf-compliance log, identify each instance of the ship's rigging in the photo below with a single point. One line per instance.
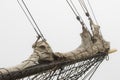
(62, 66)
(31, 19)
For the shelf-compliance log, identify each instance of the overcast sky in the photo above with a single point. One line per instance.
(60, 28)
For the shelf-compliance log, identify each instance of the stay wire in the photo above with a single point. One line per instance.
(75, 8)
(41, 35)
(84, 7)
(92, 11)
(85, 10)
(28, 18)
(75, 11)
(79, 18)
(71, 8)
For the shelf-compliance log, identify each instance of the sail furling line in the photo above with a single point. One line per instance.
(31, 19)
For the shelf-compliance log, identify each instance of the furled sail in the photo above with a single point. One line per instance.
(48, 64)
(44, 64)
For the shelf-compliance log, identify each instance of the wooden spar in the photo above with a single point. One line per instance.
(43, 58)
(112, 51)
(43, 68)
(90, 46)
(43, 52)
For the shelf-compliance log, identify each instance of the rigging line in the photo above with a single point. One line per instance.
(74, 7)
(92, 11)
(41, 35)
(78, 17)
(93, 70)
(84, 7)
(81, 2)
(85, 10)
(71, 8)
(84, 4)
(28, 18)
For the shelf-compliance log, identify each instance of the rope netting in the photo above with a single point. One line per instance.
(59, 70)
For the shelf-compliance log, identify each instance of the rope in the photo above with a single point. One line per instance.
(84, 7)
(85, 10)
(33, 20)
(10, 76)
(92, 11)
(75, 11)
(93, 70)
(89, 17)
(39, 33)
(63, 70)
(71, 8)
(28, 17)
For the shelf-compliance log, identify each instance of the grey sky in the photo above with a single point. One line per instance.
(60, 28)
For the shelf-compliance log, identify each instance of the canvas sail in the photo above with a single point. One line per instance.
(44, 64)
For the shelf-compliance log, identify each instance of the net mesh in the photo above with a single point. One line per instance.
(63, 70)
